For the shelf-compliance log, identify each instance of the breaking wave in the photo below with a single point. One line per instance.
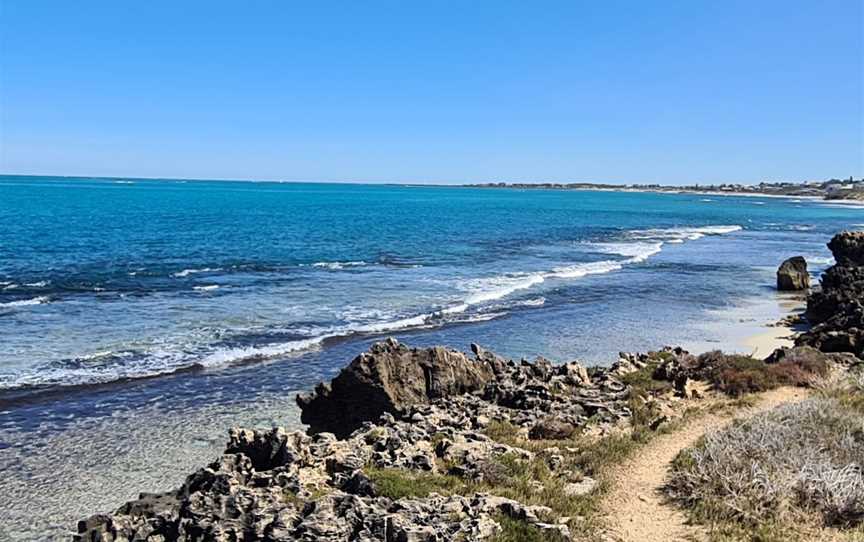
(26, 302)
(476, 300)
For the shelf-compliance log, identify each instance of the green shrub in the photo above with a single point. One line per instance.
(400, 483)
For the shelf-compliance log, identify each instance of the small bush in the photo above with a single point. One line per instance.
(796, 460)
(736, 375)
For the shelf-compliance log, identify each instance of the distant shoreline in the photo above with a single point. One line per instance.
(673, 190)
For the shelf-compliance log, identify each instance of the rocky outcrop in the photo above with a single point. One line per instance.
(276, 485)
(836, 312)
(848, 248)
(389, 378)
(792, 275)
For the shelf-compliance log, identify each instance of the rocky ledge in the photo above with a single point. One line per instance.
(419, 444)
(836, 313)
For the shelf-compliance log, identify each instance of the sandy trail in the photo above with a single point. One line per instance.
(636, 509)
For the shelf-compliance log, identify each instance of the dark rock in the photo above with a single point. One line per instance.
(792, 275)
(848, 248)
(837, 311)
(389, 378)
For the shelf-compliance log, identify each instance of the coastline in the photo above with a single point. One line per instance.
(541, 439)
(815, 199)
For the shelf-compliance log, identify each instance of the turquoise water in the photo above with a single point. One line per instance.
(141, 318)
(103, 280)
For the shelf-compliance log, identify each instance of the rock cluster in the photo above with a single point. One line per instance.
(837, 311)
(792, 275)
(278, 485)
(389, 378)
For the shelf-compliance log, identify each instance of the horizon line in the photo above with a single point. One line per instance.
(415, 182)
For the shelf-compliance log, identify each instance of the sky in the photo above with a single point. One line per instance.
(670, 92)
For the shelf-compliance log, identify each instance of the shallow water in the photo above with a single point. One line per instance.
(255, 291)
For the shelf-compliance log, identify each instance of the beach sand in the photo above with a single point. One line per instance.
(778, 335)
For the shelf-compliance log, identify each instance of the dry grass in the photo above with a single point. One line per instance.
(764, 478)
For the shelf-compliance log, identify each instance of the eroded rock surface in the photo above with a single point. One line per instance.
(837, 311)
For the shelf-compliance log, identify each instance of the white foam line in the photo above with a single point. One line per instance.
(26, 302)
(187, 272)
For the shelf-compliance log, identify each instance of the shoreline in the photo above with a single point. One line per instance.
(781, 334)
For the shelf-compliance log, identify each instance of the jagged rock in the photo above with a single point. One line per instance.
(389, 378)
(848, 248)
(837, 311)
(792, 275)
(274, 485)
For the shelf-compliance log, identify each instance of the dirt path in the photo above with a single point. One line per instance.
(635, 507)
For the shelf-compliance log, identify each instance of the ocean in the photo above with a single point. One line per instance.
(140, 319)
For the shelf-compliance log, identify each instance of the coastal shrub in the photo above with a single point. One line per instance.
(795, 461)
(642, 382)
(736, 375)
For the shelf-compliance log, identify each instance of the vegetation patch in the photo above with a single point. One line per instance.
(736, 375)
(400, 483)
(643, 383)
(758, 479)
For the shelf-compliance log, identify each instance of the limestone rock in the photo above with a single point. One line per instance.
(792, 275)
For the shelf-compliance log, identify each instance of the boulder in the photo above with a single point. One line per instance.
(388, 379)
(792, 275)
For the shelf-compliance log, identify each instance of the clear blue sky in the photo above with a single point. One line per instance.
(434, 91)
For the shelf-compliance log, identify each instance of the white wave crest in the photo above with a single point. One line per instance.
(26, 302)
(639, 250)
(39, 284)
(338, 265)
(584, 269)
(187, 272)
(234, 355)
(671, 235)
(208, 288)
(493, 288)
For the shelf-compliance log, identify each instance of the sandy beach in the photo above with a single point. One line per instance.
(777, 335)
